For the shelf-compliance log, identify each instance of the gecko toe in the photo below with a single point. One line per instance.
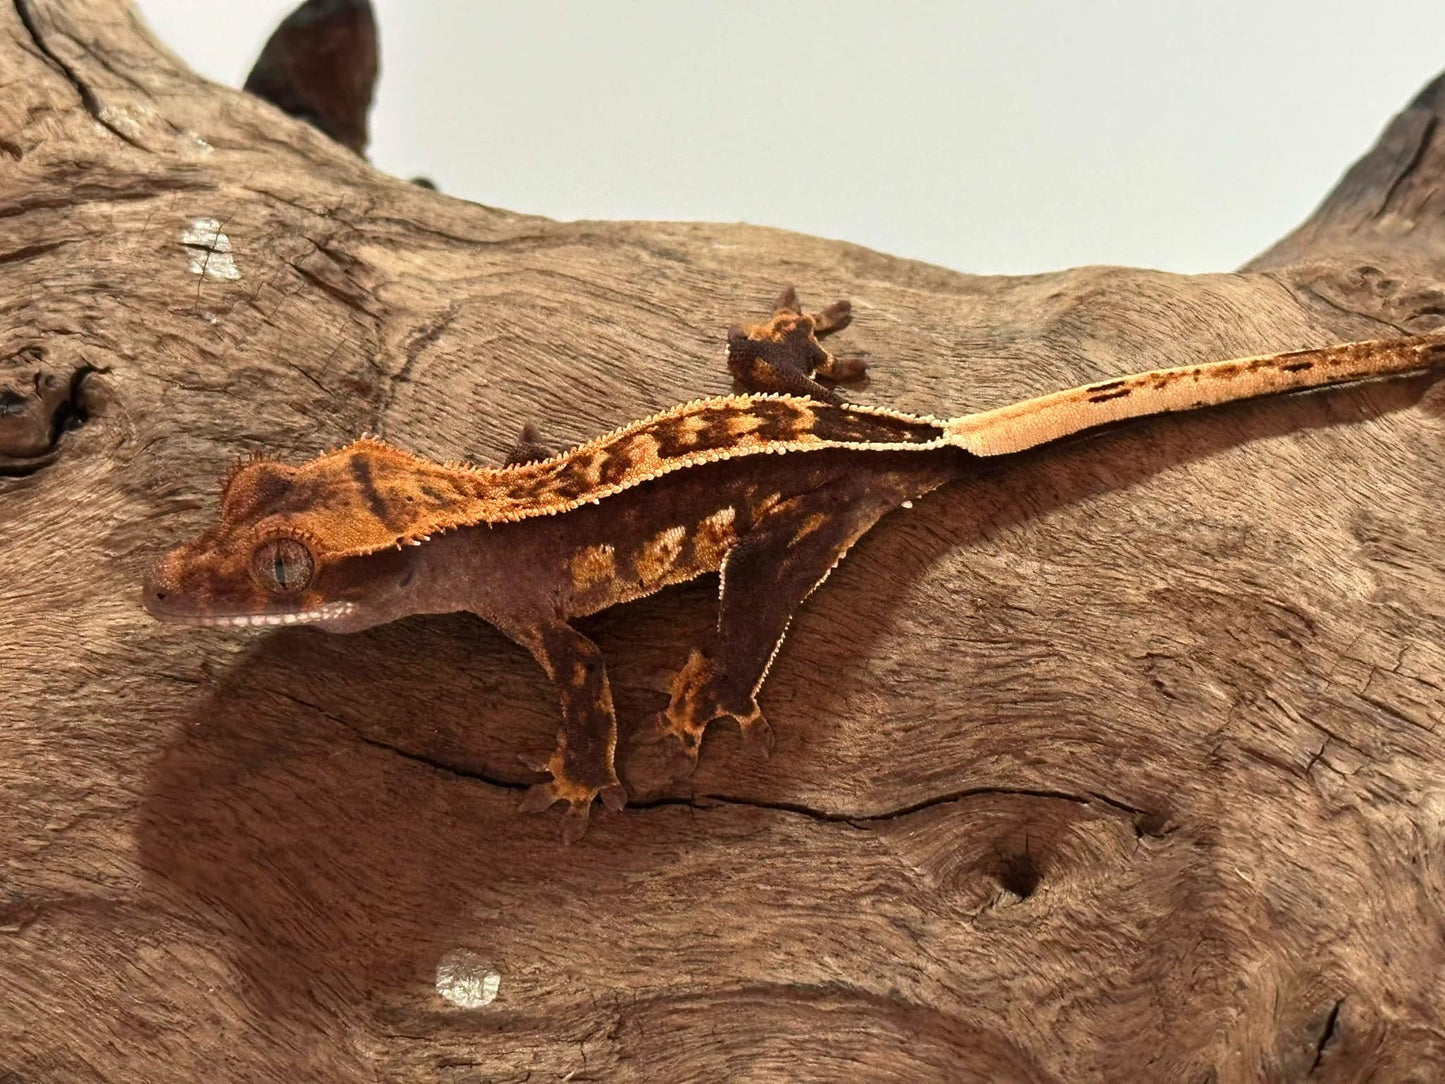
(574, 822)
(843, 370)
(835, 317)
(539, 796)
(758, 736)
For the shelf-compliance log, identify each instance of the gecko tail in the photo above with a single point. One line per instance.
(1025, 425)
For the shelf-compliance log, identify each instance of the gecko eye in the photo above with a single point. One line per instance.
(282, 564)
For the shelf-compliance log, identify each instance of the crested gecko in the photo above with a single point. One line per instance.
(368, 533)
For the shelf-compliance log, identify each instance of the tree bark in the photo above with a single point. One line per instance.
(1118, 761)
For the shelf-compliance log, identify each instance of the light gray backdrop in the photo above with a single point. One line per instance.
(991, 137)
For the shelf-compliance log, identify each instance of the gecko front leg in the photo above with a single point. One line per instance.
(784, 354)
(581, 765)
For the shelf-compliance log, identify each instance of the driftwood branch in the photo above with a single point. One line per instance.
(1119, 761)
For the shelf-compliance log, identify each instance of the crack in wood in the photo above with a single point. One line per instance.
(709, 802)
(1326, 1035)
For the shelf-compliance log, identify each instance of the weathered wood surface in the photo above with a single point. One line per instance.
(1121, 761)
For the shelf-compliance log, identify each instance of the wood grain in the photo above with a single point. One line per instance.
(1120, 761)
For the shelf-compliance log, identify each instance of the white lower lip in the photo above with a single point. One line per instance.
(332, 611)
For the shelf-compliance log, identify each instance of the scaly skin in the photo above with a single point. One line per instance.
(368, 533)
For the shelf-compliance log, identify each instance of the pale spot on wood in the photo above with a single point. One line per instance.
(210, 249)
(467, 980)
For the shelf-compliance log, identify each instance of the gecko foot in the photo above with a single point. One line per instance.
(784, 354)
(579, 798)
(665, 748)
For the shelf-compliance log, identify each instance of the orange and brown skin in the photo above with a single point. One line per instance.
(367, 534)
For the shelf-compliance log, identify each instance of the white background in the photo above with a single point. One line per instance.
(1009, 136)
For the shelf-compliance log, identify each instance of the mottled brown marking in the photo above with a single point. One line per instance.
(778, 420)
(1110, 395)
(657, 555)
(850, 428)
(760, 505)
(594, 565)
(361, 472)
(1298, 367)
(254, 483)
(715, 535)
(810, 525)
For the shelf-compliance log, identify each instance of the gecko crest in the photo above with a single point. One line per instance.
(370, 496)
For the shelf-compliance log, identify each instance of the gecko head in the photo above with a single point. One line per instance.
(263, 564)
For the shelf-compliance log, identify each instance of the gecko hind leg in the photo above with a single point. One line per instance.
(764, 579)
(784, 354)
(581, 765)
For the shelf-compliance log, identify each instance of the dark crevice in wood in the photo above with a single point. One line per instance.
(72, 412)
(438, 765)
(69, 413)
(1327, 1034)
(87, 96)
(1309, 290)
(31, 251)
(1019, 873)
(145, 187)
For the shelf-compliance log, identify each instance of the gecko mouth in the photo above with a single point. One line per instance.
(321, 615)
